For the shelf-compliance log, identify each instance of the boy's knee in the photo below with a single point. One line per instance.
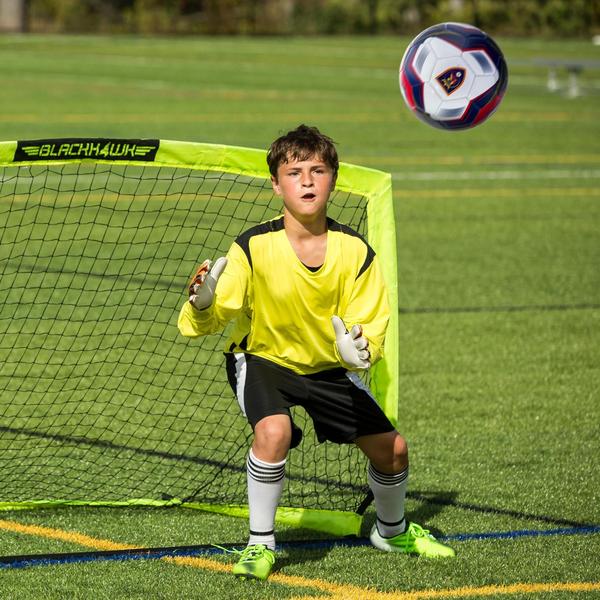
(400, 454)
(393, 458)
(272, 437)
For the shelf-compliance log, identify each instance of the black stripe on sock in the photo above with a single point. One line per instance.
(385, 479)
(394, 524)
(262, 533)
(265, 473)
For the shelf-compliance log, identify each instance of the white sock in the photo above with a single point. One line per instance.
(265, 484)
(389, 492)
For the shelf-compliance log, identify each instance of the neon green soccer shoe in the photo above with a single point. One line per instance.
(255, 562)
(415, 540)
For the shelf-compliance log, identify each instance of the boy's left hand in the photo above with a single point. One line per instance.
(353, 346)
(203, 284)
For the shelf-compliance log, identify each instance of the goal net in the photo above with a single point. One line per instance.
(102, 402)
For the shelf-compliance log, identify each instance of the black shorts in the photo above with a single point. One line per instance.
(339, 404)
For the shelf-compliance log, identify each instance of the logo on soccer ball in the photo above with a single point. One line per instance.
(451, 79)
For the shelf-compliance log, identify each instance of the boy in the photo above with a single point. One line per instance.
(293, 284)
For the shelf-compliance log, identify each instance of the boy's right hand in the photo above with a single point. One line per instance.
(353, 346)
(203, 284)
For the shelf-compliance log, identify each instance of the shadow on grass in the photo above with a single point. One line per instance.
(434, 502)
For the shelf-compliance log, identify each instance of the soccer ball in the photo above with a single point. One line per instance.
(453, 76)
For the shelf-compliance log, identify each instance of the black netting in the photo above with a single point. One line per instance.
(101, 399)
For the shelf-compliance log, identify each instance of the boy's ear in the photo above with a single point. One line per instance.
(333, 182)
(275, 185)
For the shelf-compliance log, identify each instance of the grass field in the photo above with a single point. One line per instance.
(499, 255)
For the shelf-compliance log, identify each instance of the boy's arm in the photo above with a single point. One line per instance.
(369, 308)
(229, 298)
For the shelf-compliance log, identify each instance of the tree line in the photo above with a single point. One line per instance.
(550, 18)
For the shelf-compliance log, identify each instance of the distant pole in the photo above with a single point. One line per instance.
(13, 16)
(372, 6)
(574, 71)
(476, 17)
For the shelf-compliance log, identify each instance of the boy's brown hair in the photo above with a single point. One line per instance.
(301, 144)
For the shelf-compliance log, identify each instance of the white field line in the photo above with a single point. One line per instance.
(541, 174)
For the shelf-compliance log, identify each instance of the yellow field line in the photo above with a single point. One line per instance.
(63, 536)
(465, 592)
(404, 159)
(333, 591)
(567, 192)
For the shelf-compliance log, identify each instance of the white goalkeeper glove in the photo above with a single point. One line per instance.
(203, 284)
(353, 346)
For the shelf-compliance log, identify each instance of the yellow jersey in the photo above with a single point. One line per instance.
(282, 309)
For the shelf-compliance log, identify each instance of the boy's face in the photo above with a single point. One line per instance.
(305, 186)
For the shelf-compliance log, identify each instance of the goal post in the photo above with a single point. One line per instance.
(101, 401)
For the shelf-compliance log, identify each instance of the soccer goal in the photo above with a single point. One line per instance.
(102, 402)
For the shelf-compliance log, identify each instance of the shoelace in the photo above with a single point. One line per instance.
(252, 552)
(248, 553)
(418, 531)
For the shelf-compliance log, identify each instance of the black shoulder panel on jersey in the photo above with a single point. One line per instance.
(243, 240)
(335, 226)
(368, 260)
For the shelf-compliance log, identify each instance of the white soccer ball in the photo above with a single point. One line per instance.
(453, 76)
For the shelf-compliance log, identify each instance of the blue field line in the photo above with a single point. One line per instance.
(20, 562)
(461, 537)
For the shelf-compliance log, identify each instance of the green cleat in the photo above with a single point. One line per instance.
(415, 540)
(255, 562)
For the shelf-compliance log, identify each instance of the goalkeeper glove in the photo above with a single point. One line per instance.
(352, 345)
(203, 284)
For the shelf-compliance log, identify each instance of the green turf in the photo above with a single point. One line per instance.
(499, 246)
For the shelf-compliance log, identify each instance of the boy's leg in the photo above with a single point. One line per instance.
(265, 476)
(266, 471)
(258, 385)
(388, 477)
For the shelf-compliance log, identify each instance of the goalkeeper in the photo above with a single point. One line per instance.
(310, 310)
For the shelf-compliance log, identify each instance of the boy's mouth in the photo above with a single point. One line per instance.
(309, 196)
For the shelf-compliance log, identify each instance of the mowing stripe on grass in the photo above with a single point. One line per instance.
(244, 117)
(419, 310)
